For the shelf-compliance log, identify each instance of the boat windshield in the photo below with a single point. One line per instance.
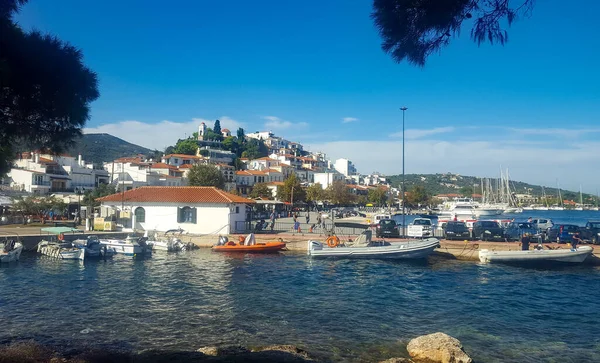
(595, 225)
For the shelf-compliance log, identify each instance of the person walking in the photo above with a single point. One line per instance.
(575, 240)
(525, 240)
(272, 217)
(307, 217)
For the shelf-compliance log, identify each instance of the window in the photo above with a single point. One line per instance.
(237, 210)
(140, 215)
(187, 215)
(176, 161)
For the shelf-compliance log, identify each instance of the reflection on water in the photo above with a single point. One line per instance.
(347, 310)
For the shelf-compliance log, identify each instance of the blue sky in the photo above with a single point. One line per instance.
(301, 68)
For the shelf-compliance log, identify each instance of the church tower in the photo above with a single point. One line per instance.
(201, 131)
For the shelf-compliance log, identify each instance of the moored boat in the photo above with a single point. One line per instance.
(62, 251)
(248, 244)
(364, 247)
(130, 246)
(577, 255)
(10, 251)
(93, 247)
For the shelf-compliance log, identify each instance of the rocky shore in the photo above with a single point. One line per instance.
(432, 348)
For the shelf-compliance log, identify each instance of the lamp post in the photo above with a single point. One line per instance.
(403, 176)
(78, 215)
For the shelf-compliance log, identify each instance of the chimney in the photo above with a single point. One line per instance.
(36, 158)
(79, 160)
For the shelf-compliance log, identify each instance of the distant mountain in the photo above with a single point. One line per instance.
(449, 183)
(99, 148)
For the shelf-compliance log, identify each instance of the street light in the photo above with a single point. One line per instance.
(403, 177)
(78, 204)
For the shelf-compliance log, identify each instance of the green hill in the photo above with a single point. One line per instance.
(449, 183)
(99, 148)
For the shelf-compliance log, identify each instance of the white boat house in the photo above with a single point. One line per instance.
(196, 210)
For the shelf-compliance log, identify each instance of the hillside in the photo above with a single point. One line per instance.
(98, 148)
(453, 183)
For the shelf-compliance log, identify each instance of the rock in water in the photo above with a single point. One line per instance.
(438, 347)
(397, 360)
(223, 351)
(291, 349)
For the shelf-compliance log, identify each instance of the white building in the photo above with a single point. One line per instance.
(345, 167)
(262, 135)
(327, 178)
(44, 173)
(216, 156)
(181, 159)
(196, 210)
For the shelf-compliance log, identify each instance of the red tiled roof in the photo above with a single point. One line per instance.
(47, 161)
(186, 166)
(192, 195)
(250, 172)
(162, 166)
(275, 183)
(225, 130)
(272, 171)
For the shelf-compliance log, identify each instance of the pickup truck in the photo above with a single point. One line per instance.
(591, 232)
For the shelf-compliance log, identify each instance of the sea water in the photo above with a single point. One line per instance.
(342, 310)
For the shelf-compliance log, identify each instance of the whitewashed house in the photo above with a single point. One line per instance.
(196, 210)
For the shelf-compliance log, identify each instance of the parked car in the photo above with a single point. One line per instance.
(515, 230)
(420, 227)
(591, 232)
(387, 228)
(456, 230)
(488, 231)
(542, 224)
(562, 233)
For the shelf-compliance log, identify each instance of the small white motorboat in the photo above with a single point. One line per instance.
(168, 244)
(10, 251)
(577, 255)
(363, 247)
(130, 246)
(93, 247)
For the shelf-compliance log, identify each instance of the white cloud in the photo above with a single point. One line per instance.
(420, 133)
(528, 162)
(346, 120)
(158, 135)
(556, 132)
(275, 123)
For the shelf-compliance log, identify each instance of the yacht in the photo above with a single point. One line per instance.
(467, 208)
(130, 246)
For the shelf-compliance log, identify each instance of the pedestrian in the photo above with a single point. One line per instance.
(529, 220)
(525, 240)
(272, 220)
(307, 217)
(575, 240)
(455, 218)
(297, 226)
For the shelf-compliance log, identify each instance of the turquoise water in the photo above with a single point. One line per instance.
(341, 310)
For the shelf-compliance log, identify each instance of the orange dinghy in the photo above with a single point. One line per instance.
(248, 244)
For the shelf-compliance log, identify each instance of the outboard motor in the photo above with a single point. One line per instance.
(222, 240)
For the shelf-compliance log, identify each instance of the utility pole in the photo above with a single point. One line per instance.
(403, 177)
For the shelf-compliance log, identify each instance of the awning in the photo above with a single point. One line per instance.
(59, 230)
(59, 177)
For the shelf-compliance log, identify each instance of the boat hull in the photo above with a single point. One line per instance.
(403, 250)
(536, 256)
(268, 247)
(13, 255)
(61, 253)
(127, 249)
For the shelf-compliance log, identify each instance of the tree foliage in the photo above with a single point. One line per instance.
(206, 176)
(261, 190)
(338, 193)
(217, 128)
(377, 196)
(254, 149)
(417, 196)
(187, 146)
(241, 135)
(45, 89)
(414, 29)
(315, 193)
(39, 206)
(291, 190)
(90, 196)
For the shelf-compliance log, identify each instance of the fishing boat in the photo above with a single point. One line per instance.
(93, 247)
(130, 246)
(537, 255)
(10, 251)
(55, 245)
(364, 247)
(248, 244)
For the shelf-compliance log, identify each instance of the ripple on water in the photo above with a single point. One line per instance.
(347, 310)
